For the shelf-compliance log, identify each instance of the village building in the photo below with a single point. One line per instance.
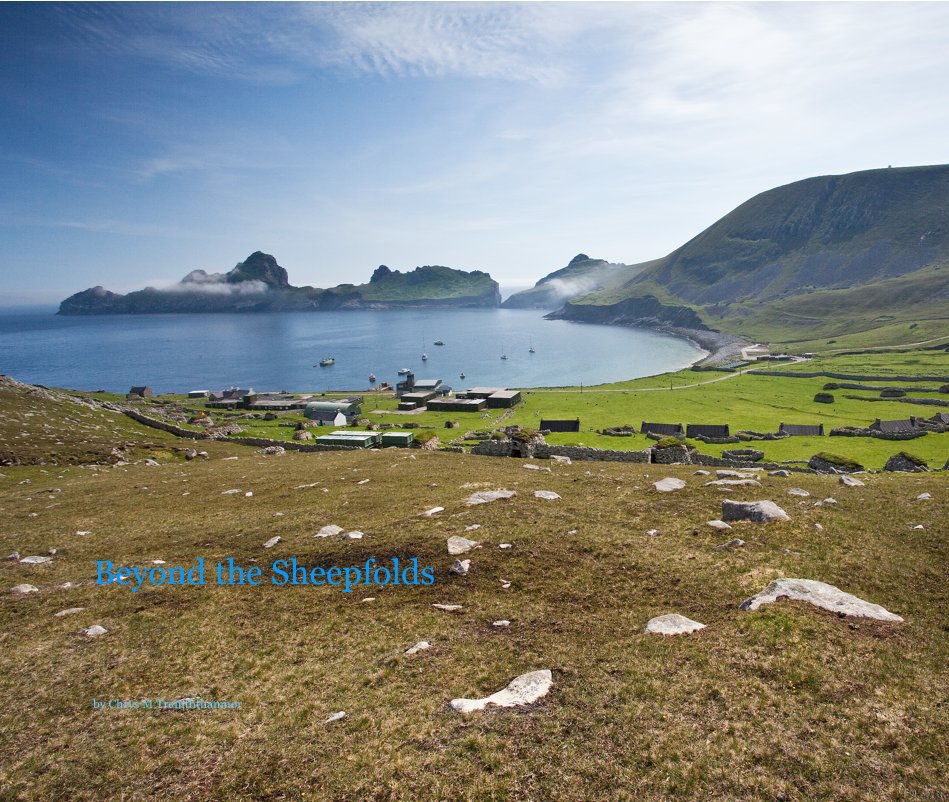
(663, 429)
(801, 430)
(894, 426)
(548, 425)
(198, 393)
(142, 392)
(341, 412)
(457, 404)
(706, 430)
(350, 439)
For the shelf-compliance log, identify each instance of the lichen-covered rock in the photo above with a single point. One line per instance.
(273, 451)
(522, 690)
(733, 483)
(849, 481)
(757, 511)
(718, 524)
(821, 595)
(485, 496)
(669, 484)
(459, 545)
(547, 495)
(833, 463)
(461, 567)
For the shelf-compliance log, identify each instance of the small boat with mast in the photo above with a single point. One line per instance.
(326, 361)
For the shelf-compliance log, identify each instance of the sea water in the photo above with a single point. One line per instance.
(282, 350)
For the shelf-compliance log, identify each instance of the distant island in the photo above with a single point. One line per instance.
(259, 284)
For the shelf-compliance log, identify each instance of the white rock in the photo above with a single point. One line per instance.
(272, 542)
(461, 567)
(924, 496)
(547, 495)
(484, 496)
(83, 532)
(758, 511)
(354, 535)
(158, 562)
(821, 595)
(734, 543)
(918, 526)
(70, 611)
(304, 487)
(249, 493)
(339, 715)
(700, 472)
(505, 545)
(433, 511)
(849, 481)
(652, 532)
(94, 631)
(502, 623)
(459, 545)
(829, 501)
(673, 624)
(368, 599)
(718, 524)
(35, 559)
(472, 527)
(733, 483)
(22, 590)
(505, 584)
(521, 690)
(421, 646)
(450, 608)
(363, 482)
(532, 467)
(330, 530)
(818, 527)
(798, 491)
(668, 484)
(13, 556)
(232, 492)
(781, 472)
(728, 474)
(560, 459)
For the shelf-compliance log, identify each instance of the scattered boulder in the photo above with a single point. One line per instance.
(337, 716)
(757, 511)
(780, 472)
(798, 491)
(669, 484)
(505, 545)
(421, 646)
(22, 590)
(472, 527)
(733, 483)
(35, 559)
(821, 595)
(459, 545)
(547, 495)
(272, 542)
(330, 530)
(701, 473)
(905, 462)
(729, 474)
(94, 631)
(354, 535)
(560, 459)
(522, 690)
(13, 556)
(232, 492)
(433, 511)
(485, 496)
(501, 624)
(461, 567)
(920, 497)
(824, 398)
(849, 481)
(673, 624)
(718, 524)
(734, 543)
(69, 611)
(448, 608)
(273, 451)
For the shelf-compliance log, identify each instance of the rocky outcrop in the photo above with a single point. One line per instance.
(821, 595)
(905, 462)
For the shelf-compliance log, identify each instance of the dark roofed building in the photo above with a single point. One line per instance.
(894, 426)
(481, 392)
(457, 404)
(504, 398)
(706, 430)
(142, 392)
(800, 430)
(662, 429)
(941, 418)
(560, 425)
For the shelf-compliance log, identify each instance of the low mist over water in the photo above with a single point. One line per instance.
(281, 351)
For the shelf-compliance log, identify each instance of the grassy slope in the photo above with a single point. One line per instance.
(787, 702)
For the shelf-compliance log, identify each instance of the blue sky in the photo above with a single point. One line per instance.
(141, 141)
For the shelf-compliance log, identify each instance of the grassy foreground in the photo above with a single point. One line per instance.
(785, 703)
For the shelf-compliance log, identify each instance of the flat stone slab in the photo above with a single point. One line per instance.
(547, 495)
(673, 624)
(734, 543)
(35, 559)
(522, 690)
(501, 624)
(820, 594)
(484, 496)
(780, 472)
(718, 524)
(669, 484)
(459, 545)
(757, 511)
(733, 483)
(272, 542)
(849, 481)
(421, 646)
(728, 474)
(330, 530)
(354, 535)
(924, 496)
(472, 527)
(433, 511)
(22, 590)
(798, 491)
(337, 716)
(70, 611)
(448, 608)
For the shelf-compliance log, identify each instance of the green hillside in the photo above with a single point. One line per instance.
(859, 258)
(581, 276)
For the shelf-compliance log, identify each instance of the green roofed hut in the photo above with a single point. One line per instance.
(350, 439)
(397, 438)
